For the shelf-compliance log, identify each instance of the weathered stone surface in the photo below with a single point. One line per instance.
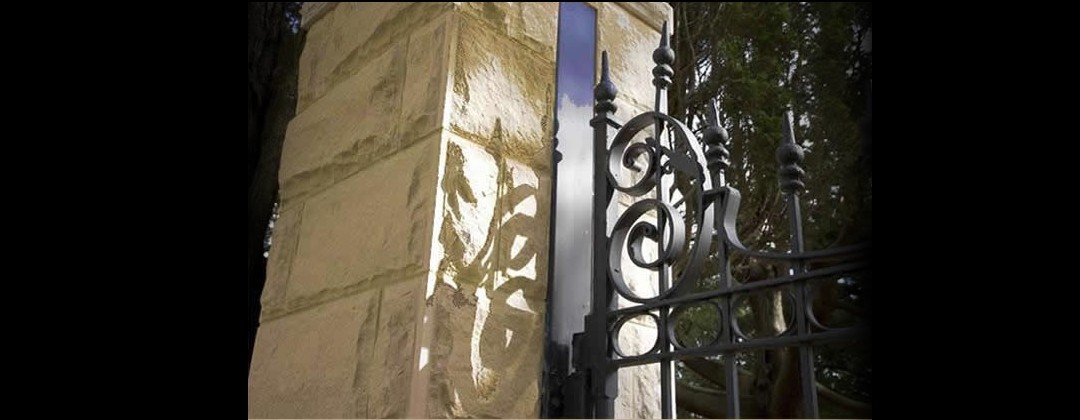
(469, 188)
(629, 43)
(346, 129)
(495, 220)
(639, 389)
(524, 225)
(279, 262)
(312, 11)
(303, 365)
(486, 307)
(370, 229)
(653, 13)
(637, 335)
(339, 33)
(537, 26)
(485, 354)
(390, 370)
(532, 24)
(496, 14)
(632, 107)
(502, 95)
(425, 80)
(642, 282)
(639, 392)
(349, 36)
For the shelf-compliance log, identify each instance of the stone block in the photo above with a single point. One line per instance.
(389, 371)
(279, 262)
(524, 226)
(312, 11)
(425, 80)
(653, 13)
(345, 130)
(537, 26)
(486, 308)
(502, 95)
(639, 386)
(469, 189)
(369, 230)
(533, 24)
(496, 14)
(347, 37)
(630, 44)
(485, 354)
(639, 392)
(495, 220)
(304, 364)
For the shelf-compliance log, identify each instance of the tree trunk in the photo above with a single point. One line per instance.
(776, 375)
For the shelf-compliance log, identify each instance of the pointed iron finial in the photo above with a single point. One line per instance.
(605, 90)
(786, 129)
(790, 155)
(664, 57)
(715, 138)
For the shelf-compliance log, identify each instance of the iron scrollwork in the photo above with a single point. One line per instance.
(684, 206)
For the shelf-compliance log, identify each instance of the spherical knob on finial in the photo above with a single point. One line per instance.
(790, 155)
(605, 91)
(664, 57)
(715, 138)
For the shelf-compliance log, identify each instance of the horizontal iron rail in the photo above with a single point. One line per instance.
(747, 287)
(753, 344)
(854, 250)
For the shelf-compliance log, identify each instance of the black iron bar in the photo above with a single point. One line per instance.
(745, 287)
(663, 56)
(837, 334)
(604, 381)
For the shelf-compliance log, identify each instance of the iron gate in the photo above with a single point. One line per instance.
(682, 188)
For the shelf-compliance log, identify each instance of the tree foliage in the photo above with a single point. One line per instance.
(758, 59)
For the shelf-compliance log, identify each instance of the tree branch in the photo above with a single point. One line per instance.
(710, 402)
(714, 372)
(700, 401)
(858, 408)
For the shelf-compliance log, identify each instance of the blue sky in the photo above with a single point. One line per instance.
(577, 52)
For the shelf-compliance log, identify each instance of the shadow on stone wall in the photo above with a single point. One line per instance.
(487, 307)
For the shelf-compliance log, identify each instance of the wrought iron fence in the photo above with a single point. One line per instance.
(682, 187)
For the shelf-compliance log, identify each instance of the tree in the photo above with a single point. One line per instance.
(756, 60)
(274, 45)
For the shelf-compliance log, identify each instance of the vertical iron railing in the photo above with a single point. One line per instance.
(708, 217)
(664, 57)
(790, 155)
(718, 157)
(603, 381)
